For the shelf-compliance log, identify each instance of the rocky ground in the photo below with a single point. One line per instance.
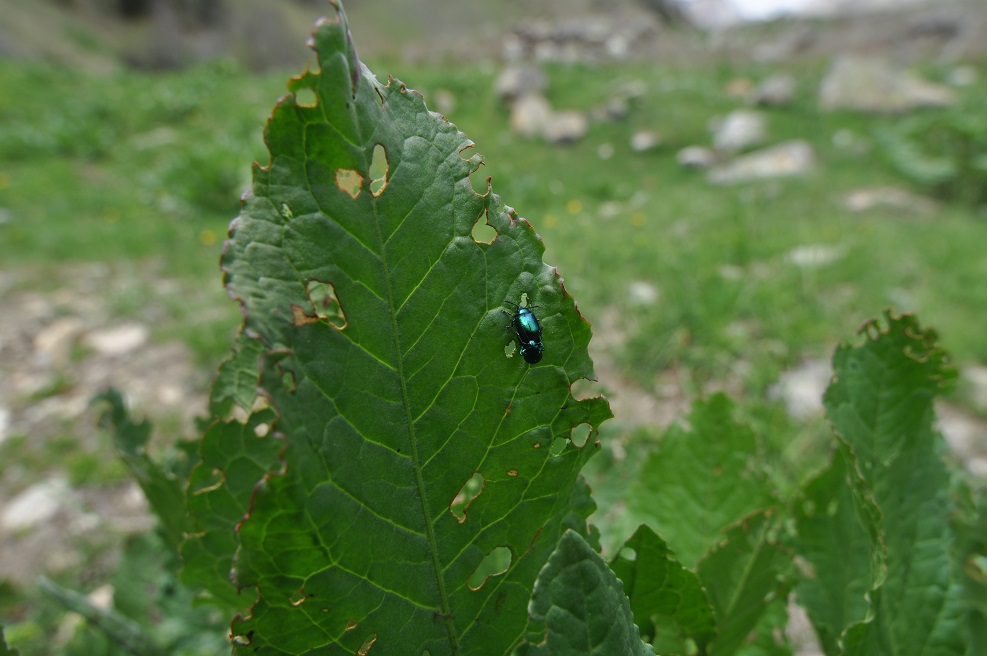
(61, 343)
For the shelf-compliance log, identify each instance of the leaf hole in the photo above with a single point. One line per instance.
(483, 232)
(467, 493)
(584, 388)
(495, 563)
(379, 170)
(628, 554)
(510, 348)
(306, 97)
(325, 304)
(349, 181)
(512, 472)
(298, 598)
(367, 644)
(558, 446)
(579, 435)
(289, 381)
(262, 430)
(352, 624)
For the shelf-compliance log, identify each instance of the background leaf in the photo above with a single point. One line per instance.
(163, 488)
(881, 404)
(579, 607)
(837, 523)
(4, 649)
(744, 575)
(703, 476)
(662, 592)
(384, 331)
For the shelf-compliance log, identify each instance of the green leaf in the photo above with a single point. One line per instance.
(768, 637)
(579, 607)
(661, 590)
(881, 405)
(126, 633)
(837, 537)
(234, 457)
(162, 488)
(699, 480)
(743, 576)
(236, 382)
(386, 362)
(147, 591)
(4, 650)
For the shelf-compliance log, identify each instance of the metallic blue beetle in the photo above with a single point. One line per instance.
(528, 333)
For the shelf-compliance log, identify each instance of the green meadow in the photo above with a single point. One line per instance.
(691, 288)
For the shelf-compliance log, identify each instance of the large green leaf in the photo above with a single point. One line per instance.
(881, 405)
(701, 478)
(661, 590)
(579, 607)
(426, 474)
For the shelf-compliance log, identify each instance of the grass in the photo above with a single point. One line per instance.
(143, 172)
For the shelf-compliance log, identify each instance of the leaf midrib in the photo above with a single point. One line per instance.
(445, 609)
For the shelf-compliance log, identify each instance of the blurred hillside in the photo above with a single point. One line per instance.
(166, 34)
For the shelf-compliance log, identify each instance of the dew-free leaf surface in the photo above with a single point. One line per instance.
(663, 594)
(702, 477)
(579, 607)
(837, 526)
(390, 383)
(4, 649)
(162, 488)
(881, 405)
(746, 572)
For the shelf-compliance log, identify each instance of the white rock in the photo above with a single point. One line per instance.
(566, 126)
(965, 433)
(696, 157)
(530, 114)
(118, 340)
(786, 159)
(894, 198)
(976, 377)
(644, 140)
(811, 256)
(36, 505)
(874, 85)
(102, 597)
(642, 293)
(740, 129)
(802, 389)
(53, 344)
(778, 89)
(519, 80)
